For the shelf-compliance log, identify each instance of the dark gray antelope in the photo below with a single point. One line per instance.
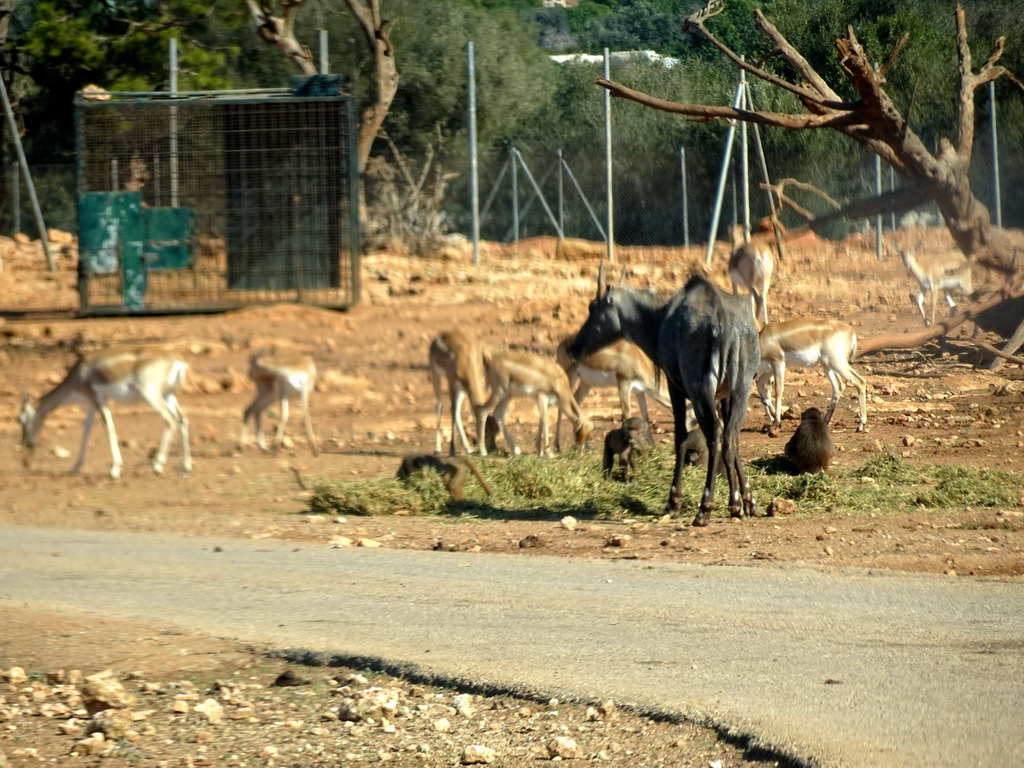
(705, 341)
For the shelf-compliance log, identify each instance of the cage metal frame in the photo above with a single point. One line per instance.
(201, 281)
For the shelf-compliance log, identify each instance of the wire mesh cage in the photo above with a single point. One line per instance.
(214, 200)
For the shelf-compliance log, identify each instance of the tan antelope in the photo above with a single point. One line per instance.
(277, 377)
(622, 365)
(458, 358)
(750, 267)
(946, 271)
(141, 373)
(802, 342)
(525, 374)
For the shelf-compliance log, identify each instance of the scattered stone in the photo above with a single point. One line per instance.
(531, 542)
(779, 507)
(569, 523)
(463, 704)
(112, 723)
(563, 748)
(101, 691)
(213, 710)
(475, 754)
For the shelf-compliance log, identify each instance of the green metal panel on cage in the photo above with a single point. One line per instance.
(117, 235)
(110, 235)
(170, 238)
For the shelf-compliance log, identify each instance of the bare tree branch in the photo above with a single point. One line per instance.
(917, 338)
(280, 32)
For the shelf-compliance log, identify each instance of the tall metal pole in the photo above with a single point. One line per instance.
(745, 159)
(878, 218)
(561, 194)
(723, 177)
(892, 188)
(515, 195)
(997, 194)
(325, 64)
(609, 195)
(174, 124)
(686, 202)
(474, 187)
(36, 210)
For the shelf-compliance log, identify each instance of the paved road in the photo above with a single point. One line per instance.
(839, 669)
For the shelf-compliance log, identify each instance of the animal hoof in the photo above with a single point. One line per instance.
(773, 431)
(702, 519)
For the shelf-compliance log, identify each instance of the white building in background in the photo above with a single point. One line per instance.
(617, 57)
(563, 3)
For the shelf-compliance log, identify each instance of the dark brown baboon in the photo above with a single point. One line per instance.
(695, 449)
(811, 449)
(624, 442)
(452, 471)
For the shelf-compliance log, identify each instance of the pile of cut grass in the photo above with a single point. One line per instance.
(573, 484)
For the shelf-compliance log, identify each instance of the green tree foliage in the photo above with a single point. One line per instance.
(64, 45)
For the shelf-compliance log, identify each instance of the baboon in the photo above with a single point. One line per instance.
(452, 471)
(695, 449)
(624, 442)
(811, 449)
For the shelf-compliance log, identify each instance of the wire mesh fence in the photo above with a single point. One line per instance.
(214, 200)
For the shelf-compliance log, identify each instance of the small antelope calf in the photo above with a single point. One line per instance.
(278, 377)
(457, 357)
(750, 266)
(947, 271)
(146, 373)
(525, 374)
(621, 364)
(806, 341)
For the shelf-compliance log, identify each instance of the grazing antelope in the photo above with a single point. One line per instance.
(622, 365)
(278, 377)
(806, 341)
(946, 272)
(525, 374)
(146, 373)
(458, 357)
(705, 342)
(750, 266)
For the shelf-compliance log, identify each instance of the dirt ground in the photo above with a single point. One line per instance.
(373, 404)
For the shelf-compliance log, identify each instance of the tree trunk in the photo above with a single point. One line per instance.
(874, 121)
(378, 38)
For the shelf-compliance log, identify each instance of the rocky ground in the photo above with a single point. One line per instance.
(373, 404)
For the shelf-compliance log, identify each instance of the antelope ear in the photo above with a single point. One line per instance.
(600, 279)
(25, 397)
(622, 276)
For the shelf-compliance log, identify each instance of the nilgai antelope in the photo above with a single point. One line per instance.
(750, 266)
(622, 365)
(802, 342)
(525, 374)
(705, 342)
(458, 358)
(141, 373)
(946, 271)
(278, 377)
